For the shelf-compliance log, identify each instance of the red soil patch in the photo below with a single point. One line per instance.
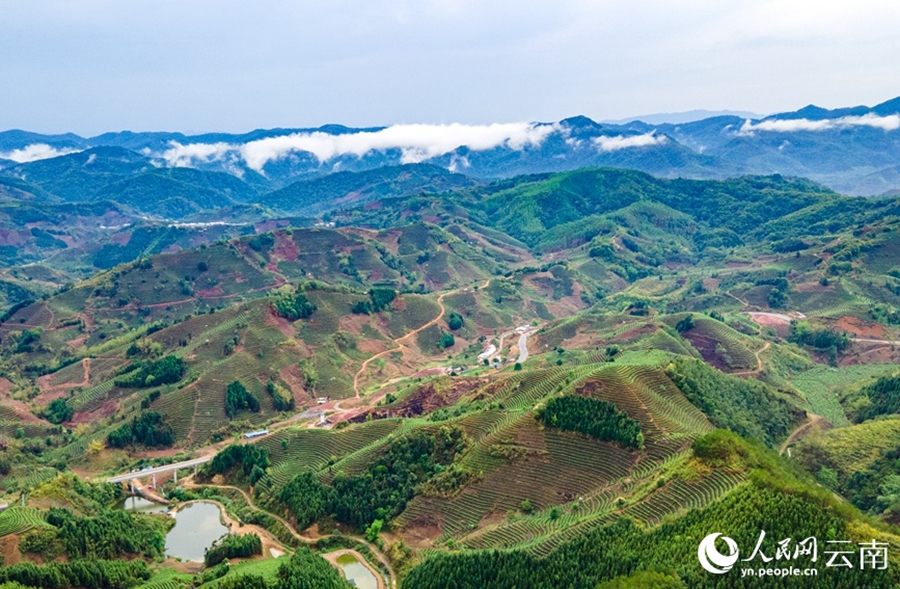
(860, 328)
(22, 411)
(78, 341)
(5, 387)
(869, 353)
(103, 412)
(210, 292)
(436, 371)
(283, 325)
(10, 237)
(353, 323)
(121, 238)
(637, 333)
(269, 225)
(285, 248)
(294, 380)
(428, 397)
(48, 397)
(9, 548)
(371, 346)
(707, 348)
(770, 320)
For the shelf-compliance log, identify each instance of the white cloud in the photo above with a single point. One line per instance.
(182, 156)
(888, 123)
(416, 143)
(624, 142)
(34, 152)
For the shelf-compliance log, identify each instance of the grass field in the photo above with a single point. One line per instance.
(854, 448)
(823, 385)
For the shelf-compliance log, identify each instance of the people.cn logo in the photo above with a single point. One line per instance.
(714, 561)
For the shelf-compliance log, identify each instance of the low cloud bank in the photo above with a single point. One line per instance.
(624, 142)
(887, 123)
(416, 143)
(35, 152)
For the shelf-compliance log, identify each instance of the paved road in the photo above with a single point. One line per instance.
(523, 348)
(492, 349)
(128, 476)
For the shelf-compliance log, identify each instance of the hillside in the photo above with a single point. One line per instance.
(564, 379)
(350, 189)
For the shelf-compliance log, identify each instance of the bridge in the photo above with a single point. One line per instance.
(152, 472)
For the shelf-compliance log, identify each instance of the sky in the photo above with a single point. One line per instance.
(91, 66)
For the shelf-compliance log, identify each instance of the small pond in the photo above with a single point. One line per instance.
(141, 505)
(197, 526)
(356, 572)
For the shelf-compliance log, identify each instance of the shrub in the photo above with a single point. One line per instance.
(294, 305)
(58, 411)
(455, 321)
(685, 324)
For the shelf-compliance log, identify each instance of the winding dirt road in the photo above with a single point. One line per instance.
(402, 347)
(759, 362)
(801, 430)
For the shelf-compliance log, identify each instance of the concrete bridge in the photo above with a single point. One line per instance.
(152, 472)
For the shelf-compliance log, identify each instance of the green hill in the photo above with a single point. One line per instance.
(698, 357)
(351, 189)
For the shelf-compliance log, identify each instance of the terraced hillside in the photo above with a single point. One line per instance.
(417, 376)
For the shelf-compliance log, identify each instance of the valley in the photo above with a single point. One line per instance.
(507, 377)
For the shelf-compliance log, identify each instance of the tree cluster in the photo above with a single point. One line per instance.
(149, 373)
(88, 574)
(109, 535)
(248, 461)
(149, 429)
(238, 398)
(294, 305)
(819, 338)
(747, 407)
(593, 417)
(233, 546)
(379, 300)
(281, 397)
(383, 490)
(58, 411)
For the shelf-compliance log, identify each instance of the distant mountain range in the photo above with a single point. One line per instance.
(853, 150)
(685, 117)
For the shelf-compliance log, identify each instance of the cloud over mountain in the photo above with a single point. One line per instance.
(605, 143)
(416, 143)
(34, 152)
(887, 123)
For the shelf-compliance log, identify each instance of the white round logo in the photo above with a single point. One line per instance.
(714, 561)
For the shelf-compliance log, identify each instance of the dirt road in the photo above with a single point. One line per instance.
(802, 430)
(401, 346)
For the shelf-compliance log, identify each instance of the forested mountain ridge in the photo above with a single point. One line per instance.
(852, 150)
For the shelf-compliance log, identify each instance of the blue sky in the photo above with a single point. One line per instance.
(90, 66)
